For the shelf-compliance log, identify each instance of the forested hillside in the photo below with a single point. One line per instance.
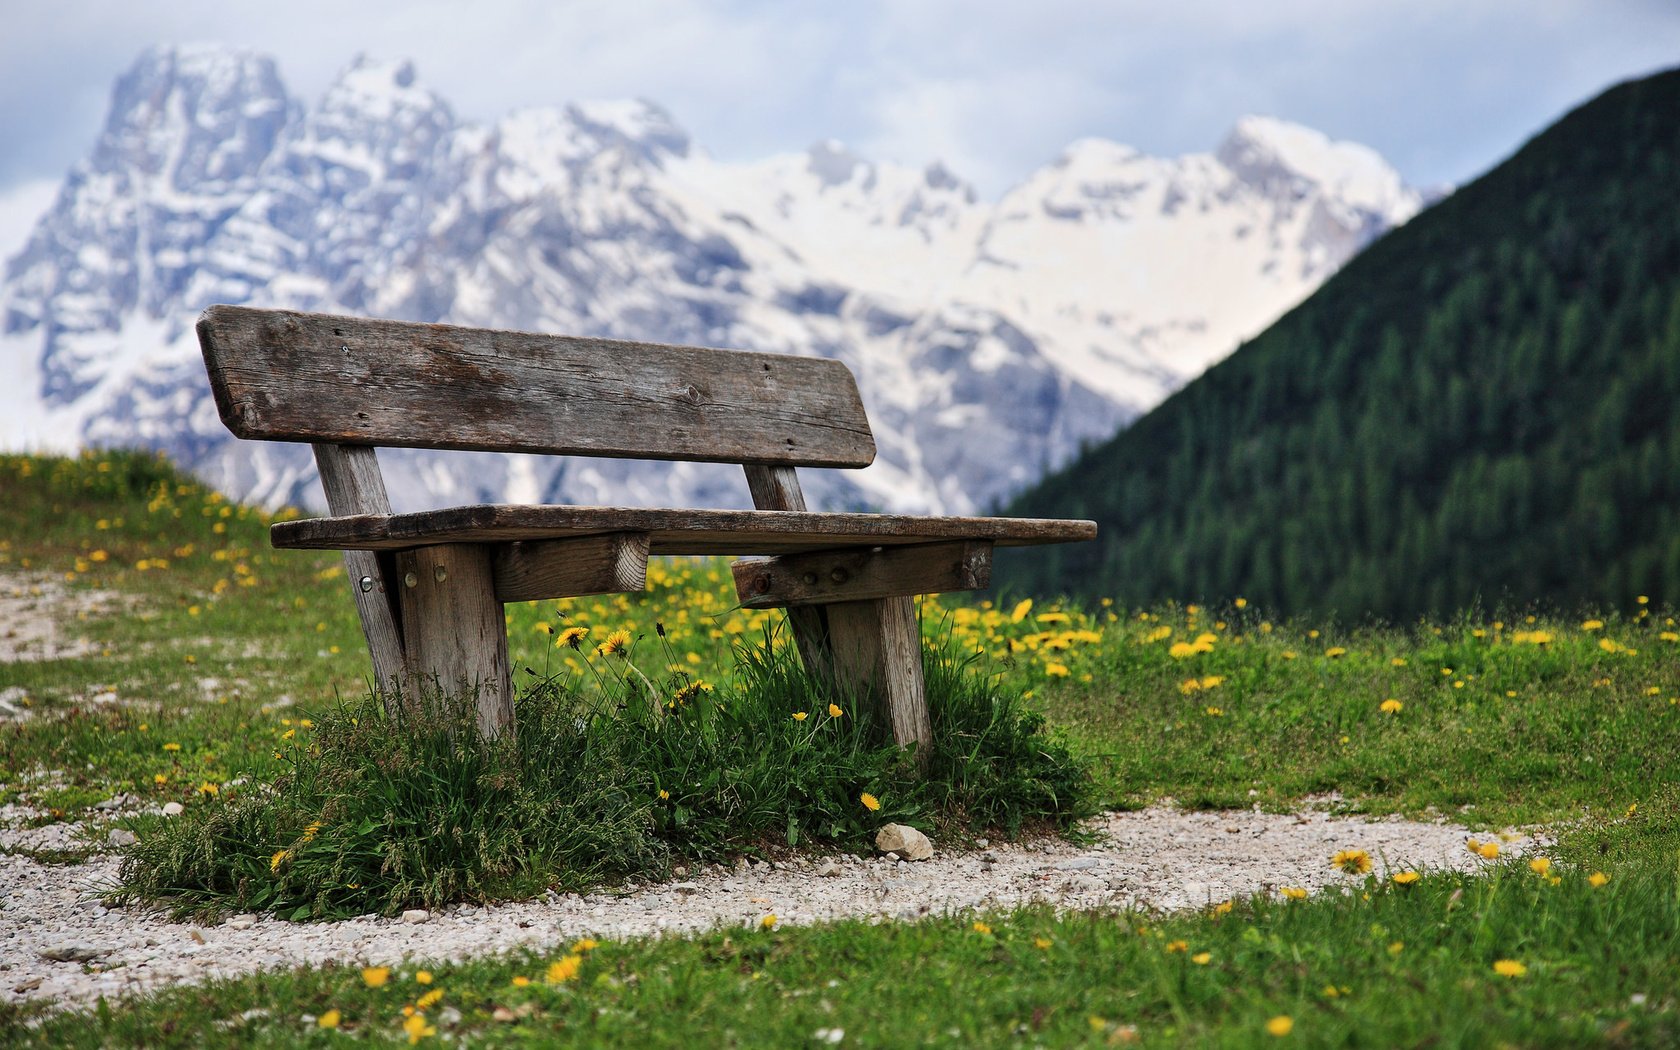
(1481, 407)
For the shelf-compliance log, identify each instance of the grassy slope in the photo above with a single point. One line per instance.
(1522, 732)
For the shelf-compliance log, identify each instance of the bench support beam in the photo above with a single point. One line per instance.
(614, 563)
(350, 476)
(777, 488)
(824, 577)
(878, 645)
(453, 630)
(873, 646)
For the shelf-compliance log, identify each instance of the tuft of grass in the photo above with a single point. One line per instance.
(380, 810)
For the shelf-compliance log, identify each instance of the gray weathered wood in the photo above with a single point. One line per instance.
(878, 645)
(823, 577)
(453, 631)
(288, 376)
(777, 489)
(670, 531)
(609, 564)
(350, 476)
(774, 488)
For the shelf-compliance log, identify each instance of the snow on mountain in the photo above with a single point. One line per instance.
(989, 339)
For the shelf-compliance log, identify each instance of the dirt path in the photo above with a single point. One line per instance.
(58, 942)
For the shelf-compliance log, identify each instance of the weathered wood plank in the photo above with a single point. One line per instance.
(670, 531)
(878, 645)
(824, 577)
(350, 476)
(777, 489)
(453, 631)
(774, 488)
(288, 376)
(610, 564)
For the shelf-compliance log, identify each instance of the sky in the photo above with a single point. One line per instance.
(1444, 89)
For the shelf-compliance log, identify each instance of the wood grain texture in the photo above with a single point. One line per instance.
(774, 488)
(878, 646)
(777, 489)
(353, 484)
(453, 631)
(679, 532)
(611, 564)
(824, 577)
(288, 376)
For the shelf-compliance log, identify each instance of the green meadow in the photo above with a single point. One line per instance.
(687, 731)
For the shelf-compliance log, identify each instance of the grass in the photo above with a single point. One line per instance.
(1565, 721)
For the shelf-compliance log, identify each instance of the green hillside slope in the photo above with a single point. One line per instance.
(1480, 407)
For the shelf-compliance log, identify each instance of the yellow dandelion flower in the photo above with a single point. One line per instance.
(617, 644)
(1042, 943)
(209, 789)
(565, 969)
(1224, 907)
(1202, 958)
(1352, 861)
(834, 711)
(1598, 878)
(429, 1000)
(1405, 878)
(870, 802)
(376, 976)
(1021, 610)
(1294, 893)
(1281, 1025)
(418, 1029)
(983, 929)
(1178, 946)
(1241, 603)
(278, 859)
(329, 1019)
(571, 636)
(585, 944)
(172, 746)
(423, 977)
(1489, 851)
(1540, 865)
(1397, 947)
(1391, 706)
(1509, 968)
(1055, 670)
(1592, 625)
(768, 922)
(1334, 651)
(159, 779)
(521, 981)
(664, 794)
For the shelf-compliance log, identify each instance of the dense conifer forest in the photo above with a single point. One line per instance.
(1480, 408)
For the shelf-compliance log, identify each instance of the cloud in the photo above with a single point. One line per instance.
(993, 87)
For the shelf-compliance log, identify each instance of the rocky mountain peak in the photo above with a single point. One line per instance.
(988, 339)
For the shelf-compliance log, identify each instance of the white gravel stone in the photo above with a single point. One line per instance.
(1158, 858)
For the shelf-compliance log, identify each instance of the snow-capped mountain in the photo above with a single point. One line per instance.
(989, 338)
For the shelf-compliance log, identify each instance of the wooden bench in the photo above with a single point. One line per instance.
(430, 585)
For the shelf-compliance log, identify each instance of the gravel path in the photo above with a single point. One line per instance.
(58, 942)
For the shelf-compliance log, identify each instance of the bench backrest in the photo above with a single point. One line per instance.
(285, 376)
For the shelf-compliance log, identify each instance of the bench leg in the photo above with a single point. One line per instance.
(878, 645)
(453, 630)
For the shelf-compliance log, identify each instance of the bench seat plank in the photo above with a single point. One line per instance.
(670, 531)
